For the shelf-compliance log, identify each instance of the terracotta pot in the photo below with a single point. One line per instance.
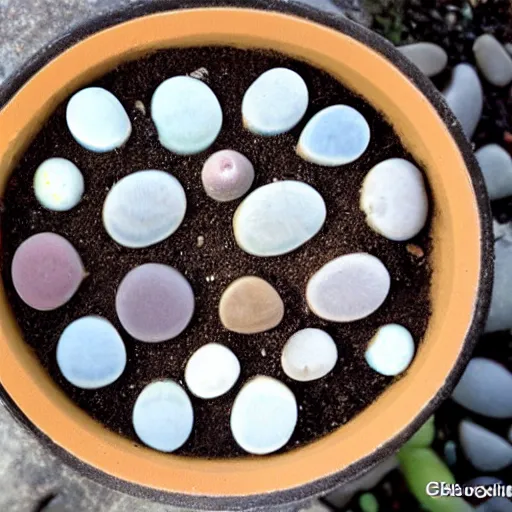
(462, 256)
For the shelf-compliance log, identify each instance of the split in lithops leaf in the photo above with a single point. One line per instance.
(264, 416)
(187, 115)
(278, 218)
(97, 120)
(163, 416)
(154, 302)
(227, 175)
(58, 184)
(335, 136)
(275, 102)
(212, 371)
(46, 271)
(144, 208)
(90, 353)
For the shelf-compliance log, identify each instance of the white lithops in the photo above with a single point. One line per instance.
(335, 136)
(264, 416)
(212, 371)
(187, 115)
(348, 288)
(275, 102)
(308, 355)
(91, 353)
(391, 350)
(163, 416)
(58, 184)
(97, 120)
(144, 208)
(395, 200)
(278, 218)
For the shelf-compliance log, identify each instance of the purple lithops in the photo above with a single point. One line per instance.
(154, 302)
(46, 271)
(227, 175)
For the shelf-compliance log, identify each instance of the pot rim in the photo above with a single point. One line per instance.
(375, 42)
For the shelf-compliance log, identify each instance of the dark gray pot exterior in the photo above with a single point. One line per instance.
(324, 485)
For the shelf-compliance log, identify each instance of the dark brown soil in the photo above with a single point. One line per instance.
(325, 404)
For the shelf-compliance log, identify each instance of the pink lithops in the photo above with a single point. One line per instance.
(227, 175)
(46, 271)
(154, 302)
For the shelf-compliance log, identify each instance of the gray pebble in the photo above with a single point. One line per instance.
(493, 60)
(495, 505)
(450, 453)
(430, 58)
(496, 165)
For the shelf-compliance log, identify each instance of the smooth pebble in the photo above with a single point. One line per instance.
(493, 60)
(58, 184)
(464, 96)
(227, 175)
(335, 136)
(90, 353)
(163, 416)
(394, 199)
(450, 453)
(46, 271)
(250, 305)
(309, 354)
(278, 218)
(144, 208)
(348, 288)
(97, 120)
(497, 504)
(430, 58)
(187, 115)
(391, 350)
(485, 388)
(154, 302)
(484, 449)
(275, 102)
(496, 165)
(263, 416)
(212, 371)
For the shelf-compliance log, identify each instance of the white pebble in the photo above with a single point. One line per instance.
(394, 199)
(493, 60)
(430, 58)
(496, 165)
(335, 136)
(144, 208)
(485, 388)
(348, 288)
(391, 350)
(309, 354)
(263, 416)
(163, 416)
(97, 120)
(58, 184)
(275, 102)
(212, 371)
(485, 450)
(278, 218)
(90, 353)
(187, 115)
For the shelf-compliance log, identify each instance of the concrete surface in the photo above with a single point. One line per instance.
(29, 475)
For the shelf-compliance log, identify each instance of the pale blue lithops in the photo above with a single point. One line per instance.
(90, 353)
(309, 354)
(348, 288)
(395, 200)
(97, 120)
(212, 371)
(264, 416)
(275, 102)
(58, 184)
(278, 218)
(187, 115)
(144, 208)
(391, 350)
(163, 416)
(335, 136)
(154, 302)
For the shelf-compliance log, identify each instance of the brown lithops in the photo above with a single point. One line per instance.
(250, 305)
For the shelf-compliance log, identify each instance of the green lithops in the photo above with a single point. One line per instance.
(424, 437)
(368, 502)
